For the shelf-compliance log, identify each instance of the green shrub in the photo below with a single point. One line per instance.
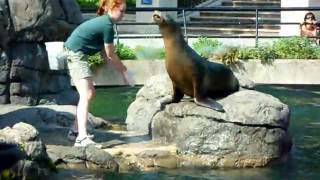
(131, 3)
(205, 46)
(266, 54)
(295, 48)
(228, 55)
(149, 53)
(95, 61)
(247, 53)
(88, 3)
(124, 52)
(95, 3)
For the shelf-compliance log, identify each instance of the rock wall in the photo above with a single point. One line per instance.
(25, 76)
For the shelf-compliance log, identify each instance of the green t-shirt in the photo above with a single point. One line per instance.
(90, 36)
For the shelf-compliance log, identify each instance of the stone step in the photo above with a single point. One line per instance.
(252, 3)
(253, 26)
(230, 31)
(237, 14)
(260, 0)
(236, 20)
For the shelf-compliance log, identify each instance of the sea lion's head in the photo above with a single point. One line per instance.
(166, 23)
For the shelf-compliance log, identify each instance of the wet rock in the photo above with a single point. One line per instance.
(89, 157)
(252, 132)
(35, 163)
(46, 115)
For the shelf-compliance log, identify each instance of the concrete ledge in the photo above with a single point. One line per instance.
(141, 70)
(281, 71)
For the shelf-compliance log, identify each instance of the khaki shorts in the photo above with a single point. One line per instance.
(78, 65)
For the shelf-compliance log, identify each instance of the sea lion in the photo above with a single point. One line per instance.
(190, 73)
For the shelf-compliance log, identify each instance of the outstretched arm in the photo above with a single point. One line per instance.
(109, 55)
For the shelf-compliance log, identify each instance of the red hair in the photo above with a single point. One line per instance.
(105, 5)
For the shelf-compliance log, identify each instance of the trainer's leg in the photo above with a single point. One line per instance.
(86, 92)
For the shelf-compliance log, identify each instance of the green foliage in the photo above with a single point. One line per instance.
(125, 52)
(88, 3)
(228, 55)
(247, 53)
(205, 46)
(285, 48)
(95, 3)
(149, 53)
(131, 3)
(266, 54)
(95, 61)
(295, 48)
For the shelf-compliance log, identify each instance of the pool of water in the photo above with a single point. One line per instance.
(303, 161)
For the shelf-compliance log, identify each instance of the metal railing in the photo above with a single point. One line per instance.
(189, 3)
(185, 24)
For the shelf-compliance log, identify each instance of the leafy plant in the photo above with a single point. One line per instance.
(205, 46)
(95, 61)
(295, 48)
(247, 53)
(228, 55)
(124, 52)
(88, 3)
(94, 3)
(266, 54)
(149, 53)
(131, 3)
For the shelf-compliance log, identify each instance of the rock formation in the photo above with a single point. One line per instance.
(25, 26)
(252, 132)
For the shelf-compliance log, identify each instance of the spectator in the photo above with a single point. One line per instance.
(310, 27)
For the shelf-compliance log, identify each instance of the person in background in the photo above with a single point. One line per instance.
(310, 28)
(90, 37)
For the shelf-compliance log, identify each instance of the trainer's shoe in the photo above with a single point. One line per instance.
(85, 141)
(72, 135)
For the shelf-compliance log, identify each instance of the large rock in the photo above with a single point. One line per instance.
(4, 25)
(146, 105)
(43, 20)
(25, 26)
(45, 115)
(35, 163)
(30, 81)
(252, 131)
(82, 157)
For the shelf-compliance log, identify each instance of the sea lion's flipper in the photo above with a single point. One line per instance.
(175, 98)
(164, 101)
(209, 103)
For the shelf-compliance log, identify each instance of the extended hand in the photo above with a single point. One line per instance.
(128, 78)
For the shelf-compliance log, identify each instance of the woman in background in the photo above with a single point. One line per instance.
(310, 28)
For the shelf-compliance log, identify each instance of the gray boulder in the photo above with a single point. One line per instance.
(252, 131)
(4, 25)
(25, 26)
(43, 20)
(45, 116)
(35, 163)
(82, 157)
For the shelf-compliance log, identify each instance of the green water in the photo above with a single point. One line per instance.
(303, 161)
(112, 103)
